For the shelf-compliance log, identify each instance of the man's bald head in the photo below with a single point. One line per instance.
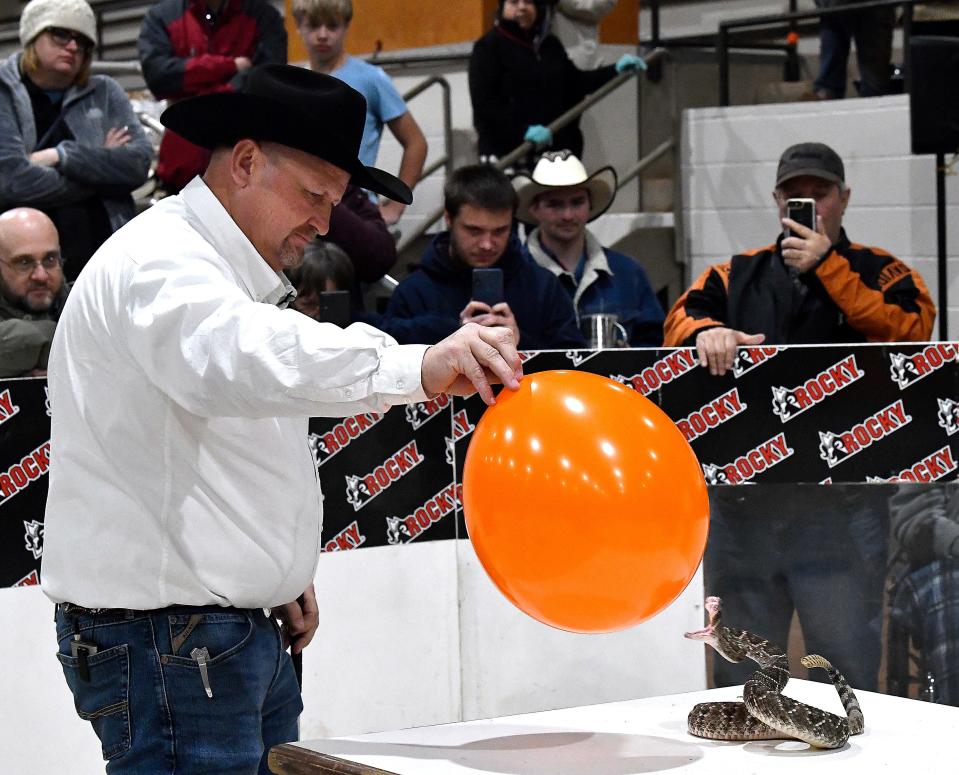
(31, 273)
(15, 224)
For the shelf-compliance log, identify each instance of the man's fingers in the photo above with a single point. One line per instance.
(475, 308)
(477, 377)
(716, 348)
(310, 620)
(293, 618)
(475, 356)
(701, 352)
(714, 355)
(490, 357)
(797, 228)
(730, 345)
(498, 353)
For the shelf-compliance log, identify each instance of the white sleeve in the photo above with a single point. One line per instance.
(216, 352)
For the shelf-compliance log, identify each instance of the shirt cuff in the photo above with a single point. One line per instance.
(398, 379)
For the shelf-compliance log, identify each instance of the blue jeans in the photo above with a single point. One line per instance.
(146, 697)
(818, 551)
(872, 30)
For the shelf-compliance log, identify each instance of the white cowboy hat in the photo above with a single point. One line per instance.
(560, 169)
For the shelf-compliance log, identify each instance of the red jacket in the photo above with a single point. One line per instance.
(186, 50)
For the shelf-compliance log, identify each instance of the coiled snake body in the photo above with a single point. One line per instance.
(765, 713)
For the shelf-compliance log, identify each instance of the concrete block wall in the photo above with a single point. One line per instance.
(729, 158)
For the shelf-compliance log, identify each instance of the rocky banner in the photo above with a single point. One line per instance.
(865, 414)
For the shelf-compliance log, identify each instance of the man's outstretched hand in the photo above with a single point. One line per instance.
(716, 347)
(471, 360)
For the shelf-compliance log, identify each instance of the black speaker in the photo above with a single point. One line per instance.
(934, 94)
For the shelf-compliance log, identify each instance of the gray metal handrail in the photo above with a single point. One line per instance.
(785, 21)
(525, 147)
(115, 67)
(660, 150)
(446, 160)
(150, 122)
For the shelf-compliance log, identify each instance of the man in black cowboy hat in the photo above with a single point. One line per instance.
(183, 500)
(560, 198)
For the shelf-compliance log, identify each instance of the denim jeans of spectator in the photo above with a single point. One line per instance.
(774, 550)
(872, 32)
(147, 700)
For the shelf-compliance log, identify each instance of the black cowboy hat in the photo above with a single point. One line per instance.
(292, 106)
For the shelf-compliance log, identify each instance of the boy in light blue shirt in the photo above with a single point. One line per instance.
(323, 25)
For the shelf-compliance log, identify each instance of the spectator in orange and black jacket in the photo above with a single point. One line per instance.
(192, 47)
(774, 549)
(814, 288)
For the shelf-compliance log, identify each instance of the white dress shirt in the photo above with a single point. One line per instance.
(180, 469)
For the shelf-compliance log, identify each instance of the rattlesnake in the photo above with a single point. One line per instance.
(764, 713)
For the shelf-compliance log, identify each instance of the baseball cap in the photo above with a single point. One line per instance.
(816, 159)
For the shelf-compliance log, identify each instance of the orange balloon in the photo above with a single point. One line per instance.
(584, 503)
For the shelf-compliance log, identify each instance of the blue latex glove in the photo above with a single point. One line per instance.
(630, 63)
(538, 134)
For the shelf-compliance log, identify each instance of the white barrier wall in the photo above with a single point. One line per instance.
(729, 158)
(409, 636)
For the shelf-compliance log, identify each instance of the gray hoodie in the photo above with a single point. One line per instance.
(86, 167)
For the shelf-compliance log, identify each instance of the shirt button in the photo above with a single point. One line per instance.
(348, 392)
(400, 384)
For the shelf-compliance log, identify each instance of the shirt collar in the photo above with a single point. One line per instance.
(260, 281)
(596, 260)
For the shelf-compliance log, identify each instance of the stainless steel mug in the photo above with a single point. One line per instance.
(603, 332)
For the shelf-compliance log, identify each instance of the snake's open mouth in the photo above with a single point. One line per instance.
(710, 633)
(704, 634)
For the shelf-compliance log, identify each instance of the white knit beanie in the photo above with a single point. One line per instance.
(74, 15)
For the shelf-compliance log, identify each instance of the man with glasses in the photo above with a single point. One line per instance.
(70, 143)
(32, 291)
(819, 551)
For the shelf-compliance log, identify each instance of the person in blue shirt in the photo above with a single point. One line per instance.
(437, 299)
(560, 199)
(323, 24)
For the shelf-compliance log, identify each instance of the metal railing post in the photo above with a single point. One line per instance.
(446, 160)
(907, 47)
(654, 21)
(722, 54)
(792, 48)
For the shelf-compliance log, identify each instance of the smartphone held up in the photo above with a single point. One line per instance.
(803, 212)
(488, 286)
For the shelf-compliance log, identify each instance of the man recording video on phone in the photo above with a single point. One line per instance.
(818, 551)
(812, 287)
(476, 272)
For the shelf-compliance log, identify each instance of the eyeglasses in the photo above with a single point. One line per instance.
(62, 37)
(26, 266)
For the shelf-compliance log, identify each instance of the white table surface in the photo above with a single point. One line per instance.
(640, 736)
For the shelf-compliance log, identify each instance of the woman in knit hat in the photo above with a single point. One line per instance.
(70, 144)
